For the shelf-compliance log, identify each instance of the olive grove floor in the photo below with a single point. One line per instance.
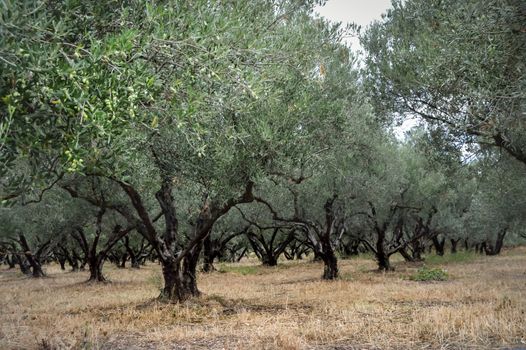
(246, 306)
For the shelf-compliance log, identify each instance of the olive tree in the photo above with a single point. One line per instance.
(498, 207)
(35, 230)
(457, 64)
(183, 105)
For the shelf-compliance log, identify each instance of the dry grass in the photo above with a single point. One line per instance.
(483, 305)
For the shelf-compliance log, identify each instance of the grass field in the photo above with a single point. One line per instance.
(481, 306)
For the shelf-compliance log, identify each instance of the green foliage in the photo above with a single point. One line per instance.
(457, 64)
(214, 94)
(210, 96)
(429, 274)
(500, 200)
(49, 219)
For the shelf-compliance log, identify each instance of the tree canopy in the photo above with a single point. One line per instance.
(183, 132)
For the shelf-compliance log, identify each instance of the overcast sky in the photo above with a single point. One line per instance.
(361, 12)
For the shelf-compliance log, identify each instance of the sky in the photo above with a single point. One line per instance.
(361, 12)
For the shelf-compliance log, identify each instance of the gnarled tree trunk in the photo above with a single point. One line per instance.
(95, 264)
(23, 264)
(209, 254)
(439, 244)
(491, 249)
(330, 264)
(407, 257)
(174, 288)
(417, 249)
(179, 261)
(454, 243)
(383, 262)
(330, 269)
(33, 260)
(62, 262)
(180, 282)
(381, 254)
(11, 261)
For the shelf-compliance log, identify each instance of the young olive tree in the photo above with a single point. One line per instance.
(395, 197)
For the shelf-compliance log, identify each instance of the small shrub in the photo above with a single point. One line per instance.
(428, 274)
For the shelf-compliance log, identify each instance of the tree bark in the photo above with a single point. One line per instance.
(269, 260)
(134, 259)
(77, 263)
(10, 259)
(439, 245)
(383, 262)
(173, 289)
(179, 280)
(208, 255)
(33, 261)
(95, 264)
(190, 270)
(241, 255)
(74, 263)
(135, 264)
(96, 259)
(417, 249)
(407, 257)
(299, 254)
(62, 262)
(25, 268)
(491, 249)
(382, 257)
(454, 243)
(122, 263)
(317, 256)
(330, 268)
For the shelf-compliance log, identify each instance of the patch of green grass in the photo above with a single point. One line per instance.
(242, 269)
(364, 268)
(460, 257)
(429, 274)
(347, 276)
(257, 269)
